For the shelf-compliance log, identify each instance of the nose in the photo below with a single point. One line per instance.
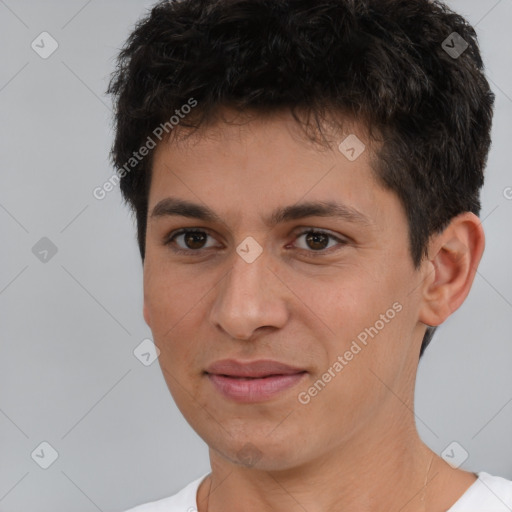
(249, 297)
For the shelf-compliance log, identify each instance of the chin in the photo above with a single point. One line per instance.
(257, 453)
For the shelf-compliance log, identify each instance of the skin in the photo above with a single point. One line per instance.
(354, 446)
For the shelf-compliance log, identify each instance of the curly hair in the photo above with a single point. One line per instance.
(384, 63)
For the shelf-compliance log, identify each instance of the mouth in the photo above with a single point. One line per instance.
(254, 381)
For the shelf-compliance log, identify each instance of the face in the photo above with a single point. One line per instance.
(314, 308)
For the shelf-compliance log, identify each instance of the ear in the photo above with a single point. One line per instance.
(453, 258)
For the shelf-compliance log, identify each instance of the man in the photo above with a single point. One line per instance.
(305, 177)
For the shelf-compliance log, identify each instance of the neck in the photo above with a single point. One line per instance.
(373, 473)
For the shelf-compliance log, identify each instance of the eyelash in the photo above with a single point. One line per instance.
(322, 252)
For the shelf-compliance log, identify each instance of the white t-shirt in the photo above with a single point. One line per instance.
(487, 494)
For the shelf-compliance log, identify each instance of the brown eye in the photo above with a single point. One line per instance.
(188, 241)
(318, 242)
(194, 239)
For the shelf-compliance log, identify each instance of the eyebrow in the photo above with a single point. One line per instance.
(171, 206)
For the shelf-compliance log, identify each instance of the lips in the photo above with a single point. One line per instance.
(254, 381)
(251, 369)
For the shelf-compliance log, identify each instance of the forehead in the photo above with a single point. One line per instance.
(228, 126)
(264, 162)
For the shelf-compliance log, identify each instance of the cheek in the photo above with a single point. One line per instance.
(367, 319)
(346, 302)
(170, 302)
(170, 294)
(361, 348)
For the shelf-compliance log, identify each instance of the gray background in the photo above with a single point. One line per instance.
(69, 326)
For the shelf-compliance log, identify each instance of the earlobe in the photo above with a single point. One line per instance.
(454, 256)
